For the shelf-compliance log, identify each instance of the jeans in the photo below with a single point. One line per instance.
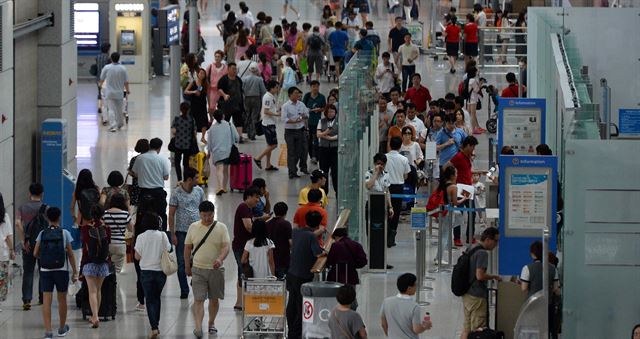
(153, 283)
(28, 265)
(182, 276)
(294, 305)
(139, 288)
(296, 150)
(179, 155)
(407, 73)
(329, 163)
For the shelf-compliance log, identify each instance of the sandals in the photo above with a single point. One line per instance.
(258, 163)
(237, 308)
(95, 324)
(213, 329)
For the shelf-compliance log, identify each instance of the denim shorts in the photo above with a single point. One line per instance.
(59, 279)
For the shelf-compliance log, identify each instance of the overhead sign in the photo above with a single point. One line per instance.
(521, 124)
(528, 191)
(629, 122)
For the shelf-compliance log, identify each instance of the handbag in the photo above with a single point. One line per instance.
(234, 154)
(172, 145)
(259, 130)
(195, 250)
(169, 262)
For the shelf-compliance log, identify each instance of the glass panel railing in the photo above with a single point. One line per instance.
(356, 104)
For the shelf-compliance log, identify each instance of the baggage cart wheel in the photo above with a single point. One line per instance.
(492, 125)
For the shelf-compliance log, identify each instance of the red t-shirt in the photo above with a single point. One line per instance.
(453, 33)
(463, 164)
(471, 32)
(419, 97)
(301, 213)
(511, 91)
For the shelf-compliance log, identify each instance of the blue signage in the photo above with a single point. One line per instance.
(418, 218)
(528, 192)
(629, 122)
(169, 25)
(521, 124)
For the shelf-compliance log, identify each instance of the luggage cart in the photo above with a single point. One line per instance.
(263, 308)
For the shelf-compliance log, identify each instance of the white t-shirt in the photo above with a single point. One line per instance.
(259, 258)
(474, 91)
(5, 231)
(397, 166)
(150, 245)
(417, 124)
(413, 152)
(268, 103)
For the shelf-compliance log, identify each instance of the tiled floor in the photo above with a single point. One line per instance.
(102, 152)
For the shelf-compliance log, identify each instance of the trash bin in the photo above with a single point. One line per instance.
(318, 299)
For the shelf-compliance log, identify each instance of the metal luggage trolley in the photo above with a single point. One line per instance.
(263, 305)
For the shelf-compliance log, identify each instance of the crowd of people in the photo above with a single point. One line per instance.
(255, 83)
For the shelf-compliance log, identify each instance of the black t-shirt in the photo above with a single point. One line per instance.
(397, 37)
(279, 231)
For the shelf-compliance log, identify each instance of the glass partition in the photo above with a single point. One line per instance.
(356, 104)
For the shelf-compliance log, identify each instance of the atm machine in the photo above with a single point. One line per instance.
(58, 182)
(127, 42)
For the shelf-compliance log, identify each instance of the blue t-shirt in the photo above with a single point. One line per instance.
(364, 45)
(338, 41)
(448, 152)
(67, 240)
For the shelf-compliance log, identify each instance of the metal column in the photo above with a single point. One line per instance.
(174, 76)
(193, 26)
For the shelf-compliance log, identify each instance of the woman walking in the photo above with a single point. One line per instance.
(142, 146)
(258, 252)
(521, 36)
(474, 98)
(184, 131)
(115, 180)
(327, 134)
(85, 196)
(215, 71)
(151, 244)
(197, 91)
(118, 220)
(6, 250)
(95, 260)
(222, 135)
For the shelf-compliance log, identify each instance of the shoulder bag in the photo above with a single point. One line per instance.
(202, 242)
(234, 155)
(168, 261)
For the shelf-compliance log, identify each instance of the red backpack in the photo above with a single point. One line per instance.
(435, 201)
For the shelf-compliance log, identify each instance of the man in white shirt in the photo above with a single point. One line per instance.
(269, 115)
(386, 74)
(394, 95)
(246, 16)
(398, 169)
(408, 53)
(385, 114)
(294, 113)
(152, 170)
(115, 82)
(353, 23)
(413, 120)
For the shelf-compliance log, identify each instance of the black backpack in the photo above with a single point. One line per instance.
(52, 249)
(315, 42)
(89, 197)
(36, 225)
(460, 279)
(98, 245)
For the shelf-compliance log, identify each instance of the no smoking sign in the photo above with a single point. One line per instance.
(307, 310)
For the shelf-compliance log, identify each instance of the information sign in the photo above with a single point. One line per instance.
(521, 124)
(629, 122)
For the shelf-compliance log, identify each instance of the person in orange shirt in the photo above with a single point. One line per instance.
(396, 130)
(299, 218)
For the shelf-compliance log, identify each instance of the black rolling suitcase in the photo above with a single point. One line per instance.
(108, 303)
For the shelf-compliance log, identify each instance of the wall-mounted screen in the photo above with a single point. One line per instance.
(87, 25)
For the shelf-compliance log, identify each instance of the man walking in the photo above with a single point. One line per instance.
(231, 93)
(183, 211)
(475, 300)
(53, 247)
(25, 214)
(115, 81)
(294, 113)
(207, 243)
(408, 53)
(242, 228)
(152, 170)
(305, 249)
(315, 102)
(315, 45)
(102, 60)
(400, 315)
(254, 90)
(270, 115)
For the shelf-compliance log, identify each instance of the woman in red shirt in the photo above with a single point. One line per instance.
(452, 39)
(470, 39)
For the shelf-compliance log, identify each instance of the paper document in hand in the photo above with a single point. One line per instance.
(466, 191)
(430, 151)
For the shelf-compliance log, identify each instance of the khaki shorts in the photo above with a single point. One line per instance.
(207, 284)
(475, 312)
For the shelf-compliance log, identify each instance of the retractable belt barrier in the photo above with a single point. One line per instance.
(464, 209)
(403, 196)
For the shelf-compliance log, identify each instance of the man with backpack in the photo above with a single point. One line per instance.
(53, 247)
(30, 221)
(469, 280)
(315, 46)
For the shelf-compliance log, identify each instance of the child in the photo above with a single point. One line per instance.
(479, 195)
(344, 322)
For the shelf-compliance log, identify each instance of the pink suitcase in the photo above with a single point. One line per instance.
(241, 175)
